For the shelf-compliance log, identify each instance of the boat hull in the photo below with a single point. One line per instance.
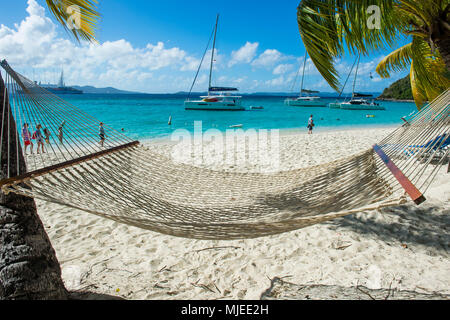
(334, 105)
(345, 106)
(213, 106)
(294, 103)
(361, 107)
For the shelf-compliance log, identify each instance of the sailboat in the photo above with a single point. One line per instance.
(57, 89)
(305, 99)
(358, 101)
(218, 98)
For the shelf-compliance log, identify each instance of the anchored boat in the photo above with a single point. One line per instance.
(358, 101)
(306, 100)
(218, 98)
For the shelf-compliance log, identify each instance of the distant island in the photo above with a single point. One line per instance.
(398, 91)
(108, 90)
(111, 90)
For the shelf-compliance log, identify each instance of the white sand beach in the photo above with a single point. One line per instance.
(403, 247)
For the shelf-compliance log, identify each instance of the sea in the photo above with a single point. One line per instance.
(145, 116)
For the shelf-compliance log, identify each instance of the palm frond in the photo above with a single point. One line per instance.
(430, 68)
(84, 12)
(415, 9)
(329, 28)
(429, 72)
(418, 92)
(398, 60)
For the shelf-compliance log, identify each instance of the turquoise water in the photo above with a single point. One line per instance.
(146, 116)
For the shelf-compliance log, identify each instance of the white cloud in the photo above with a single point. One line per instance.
(282, 69)
(277, 82)
(268, 58)
(157, 57)
(34, 43)
(245, 54)
(30, 38)
(34, 9)
(192, 64)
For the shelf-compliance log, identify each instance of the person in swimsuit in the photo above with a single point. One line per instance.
(102, 134)
(47, 135)
(61, 132)
(26, 135)
(311, 125)
(39, 138)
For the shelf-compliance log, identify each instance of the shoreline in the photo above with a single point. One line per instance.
(292, 131)
(395, 100)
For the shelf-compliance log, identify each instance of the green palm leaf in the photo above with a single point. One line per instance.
(84, 24)
(330, 27)
(418, 91)
(398, 60)
(430, 71)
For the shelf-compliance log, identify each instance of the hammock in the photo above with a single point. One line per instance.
(128, 183)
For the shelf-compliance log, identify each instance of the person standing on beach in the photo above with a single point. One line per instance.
(61, 132)
(39, 138)
(47, 135)
(27, 138)
(311, 125)
(102, 134)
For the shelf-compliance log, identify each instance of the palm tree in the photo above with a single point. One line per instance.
(29, 268)
(330, 27)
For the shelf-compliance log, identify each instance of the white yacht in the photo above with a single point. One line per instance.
(358, 101)
(335, 105)
(218, 98)
(305, 100)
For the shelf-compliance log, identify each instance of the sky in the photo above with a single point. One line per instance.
(156, 47)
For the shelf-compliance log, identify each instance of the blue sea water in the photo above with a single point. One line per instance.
(146, 116)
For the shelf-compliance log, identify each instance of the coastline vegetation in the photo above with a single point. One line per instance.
(398, 91)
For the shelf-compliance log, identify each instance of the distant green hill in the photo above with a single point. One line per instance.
(399, 90)
(108, 90)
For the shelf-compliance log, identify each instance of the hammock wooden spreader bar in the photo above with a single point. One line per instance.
(411, 189)
(64, 165)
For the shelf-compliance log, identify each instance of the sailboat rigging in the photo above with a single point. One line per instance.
(306, 100)
(358, 101)
(218, 98)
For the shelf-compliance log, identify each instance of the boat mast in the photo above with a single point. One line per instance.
(61, 79)
(303, 77)
(356, 76)
(212, 54)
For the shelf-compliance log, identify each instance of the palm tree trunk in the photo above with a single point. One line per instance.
(442, 43)
(29, 268)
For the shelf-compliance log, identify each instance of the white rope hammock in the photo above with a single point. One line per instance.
(128, 183)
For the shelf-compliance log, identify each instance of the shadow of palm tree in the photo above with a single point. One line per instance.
(426, 226)
(86, 295)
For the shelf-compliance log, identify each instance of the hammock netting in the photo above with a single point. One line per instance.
(128, 183)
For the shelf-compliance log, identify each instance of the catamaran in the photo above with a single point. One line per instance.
(218, 98)
(358, 101)
(306, 100)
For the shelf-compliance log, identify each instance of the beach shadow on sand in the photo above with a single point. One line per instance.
(92, 296)
(426, 226)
